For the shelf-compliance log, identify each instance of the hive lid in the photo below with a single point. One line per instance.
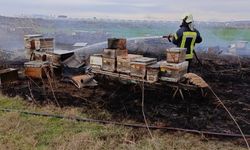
(33, 36)
(144, 59)
(97, 55)
(59, 52)
(176, 49)
(36, 64)
(7, 70)
(74, 61)
(165, 64)
(130, 56)
(155, 65)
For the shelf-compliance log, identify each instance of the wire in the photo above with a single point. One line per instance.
(143, 112)
(50, 84)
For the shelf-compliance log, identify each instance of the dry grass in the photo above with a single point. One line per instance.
(18, 131)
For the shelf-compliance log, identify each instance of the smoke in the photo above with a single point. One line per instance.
(91, 31)
(148, 46)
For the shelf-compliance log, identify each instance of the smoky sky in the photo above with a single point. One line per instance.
(131, 9)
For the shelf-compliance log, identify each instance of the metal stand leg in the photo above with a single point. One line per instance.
(178, 90)
(182, 97)
(203, 93)
(175, 92)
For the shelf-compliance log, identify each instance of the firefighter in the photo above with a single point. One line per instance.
(186, 37)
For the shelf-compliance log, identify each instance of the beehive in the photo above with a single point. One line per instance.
(31, 41)
(58, 56)
(123, 63)
(153, 72)
(114, 53)
(46, 44)
(109, 64)
(116, 43)
(96, 61)
(8, 75)
(172, 72)
(138, 66)
(176, 55)
(35, 69)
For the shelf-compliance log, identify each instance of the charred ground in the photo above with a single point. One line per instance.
(116, 101)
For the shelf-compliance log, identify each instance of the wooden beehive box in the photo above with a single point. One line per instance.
(58, 56)
(38, 56)
(31, 45)
(117, 43)
(74, 61)
(28, 53)
(35, 69)
(96, 61)
(176, 55)
(114, 53)
(138, 66)
(8, 75)
(109, 64)
(153, 72)
(172, 72)
(123, 63)
(46, 44)
(31, 41)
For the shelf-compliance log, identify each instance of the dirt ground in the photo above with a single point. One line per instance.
(228, 76)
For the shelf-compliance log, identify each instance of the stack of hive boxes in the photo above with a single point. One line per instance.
(38, 45)
(115, 58)
(108, 59)
(31, 43)
(175, 66)
(116, 48)
(43, 46)
(37, 48)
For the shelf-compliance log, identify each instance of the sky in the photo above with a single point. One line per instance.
(170, 10)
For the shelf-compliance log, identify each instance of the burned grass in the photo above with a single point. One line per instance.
(116, 101)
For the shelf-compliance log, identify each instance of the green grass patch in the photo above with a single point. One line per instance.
(52, 129)
(13, 103)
